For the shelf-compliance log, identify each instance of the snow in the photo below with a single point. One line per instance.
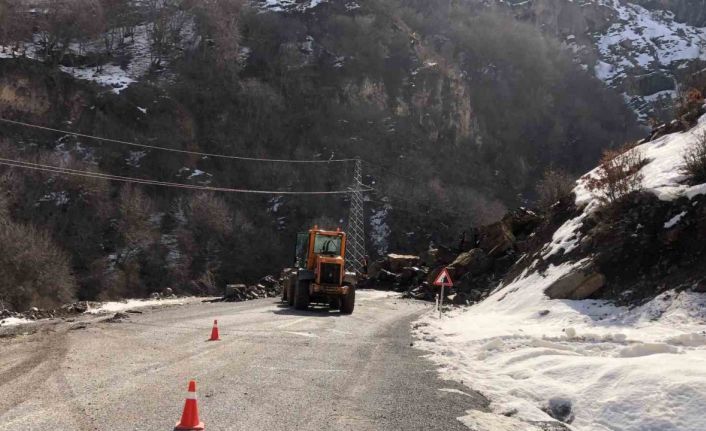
(132, 304)
(565, 239)
(379, 229)
(134, 157)
(674, 220)
(639, 42)
(13, 321)
(290, 5)
(622, 369)
(654, 40)
(662, 174)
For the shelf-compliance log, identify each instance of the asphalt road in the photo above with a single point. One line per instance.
(275, 369)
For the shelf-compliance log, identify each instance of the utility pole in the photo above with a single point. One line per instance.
(355, 249)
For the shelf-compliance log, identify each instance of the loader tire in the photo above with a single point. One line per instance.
(301, 296)
(290, 292)
(348, 302)
(334, 303)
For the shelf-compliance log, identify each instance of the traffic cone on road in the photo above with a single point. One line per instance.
(190, 416)
(214, 332)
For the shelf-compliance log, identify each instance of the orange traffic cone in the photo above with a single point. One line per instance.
(190, 417)
(214, 332)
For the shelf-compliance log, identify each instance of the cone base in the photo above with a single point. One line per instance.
(198, 427)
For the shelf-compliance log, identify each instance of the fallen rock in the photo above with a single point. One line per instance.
(700, 287)
(399, 261)
(117, 317)
(495, 239)
(233, 290)
(474, 262)
(578, 284)
(560, 409)
(439, 256)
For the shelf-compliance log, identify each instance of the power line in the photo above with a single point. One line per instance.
(98, 175)
(173, 150)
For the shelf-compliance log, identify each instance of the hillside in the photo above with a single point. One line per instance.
(600, 323)
(647, 50)
(455, 120)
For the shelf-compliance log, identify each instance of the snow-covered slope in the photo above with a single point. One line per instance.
(643, 50)
(616, 368)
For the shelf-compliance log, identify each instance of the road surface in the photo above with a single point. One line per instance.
(275, 369)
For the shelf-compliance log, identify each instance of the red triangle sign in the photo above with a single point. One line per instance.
(443, 279)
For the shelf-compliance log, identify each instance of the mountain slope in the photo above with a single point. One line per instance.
(456, 112)
(626, 349)
(647, 50)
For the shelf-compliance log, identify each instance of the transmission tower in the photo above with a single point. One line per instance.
(355, 250)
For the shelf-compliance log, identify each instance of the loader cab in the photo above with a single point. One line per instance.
(319, 244)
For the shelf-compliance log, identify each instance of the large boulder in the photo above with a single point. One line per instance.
(522, 221)
(439, 255)
(399, 261)
(473, 262)
(235, 290)
(580, 283)
(495, 239)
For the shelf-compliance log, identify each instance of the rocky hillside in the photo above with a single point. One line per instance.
(457, 111)
(629, 231)
(601, 322)
(648, 50)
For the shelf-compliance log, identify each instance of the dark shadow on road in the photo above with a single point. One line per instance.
(313, 311)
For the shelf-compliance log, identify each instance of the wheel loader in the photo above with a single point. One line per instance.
(319, 275)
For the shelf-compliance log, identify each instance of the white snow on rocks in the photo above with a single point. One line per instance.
(289, 5)
(13, 321)
(380, 230)
(652, 39)
(674, 220)
(133, 304)
(662, 175)
(621, 369)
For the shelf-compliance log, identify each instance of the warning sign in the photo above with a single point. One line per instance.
(444, 279)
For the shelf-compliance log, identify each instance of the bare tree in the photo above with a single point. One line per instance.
(554, 185)
(618, 174)
(134, 226)
(15, 25)
(222, 25)
(63, 22)
(695, 160)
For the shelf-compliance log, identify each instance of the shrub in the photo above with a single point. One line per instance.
(618, 174)
(695, 161)
(689, 106)
(35, 272)
(554, 185)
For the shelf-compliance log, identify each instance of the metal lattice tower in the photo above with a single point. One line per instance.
(355, 250)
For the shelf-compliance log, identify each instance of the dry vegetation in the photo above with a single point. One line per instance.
(618, 174)
(554, 185)
(695, 161)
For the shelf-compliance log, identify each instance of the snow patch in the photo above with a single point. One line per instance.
(628, 369)
(132, 304)
(674, 220)
(380, 230)
(13, 321)
(290, 5)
